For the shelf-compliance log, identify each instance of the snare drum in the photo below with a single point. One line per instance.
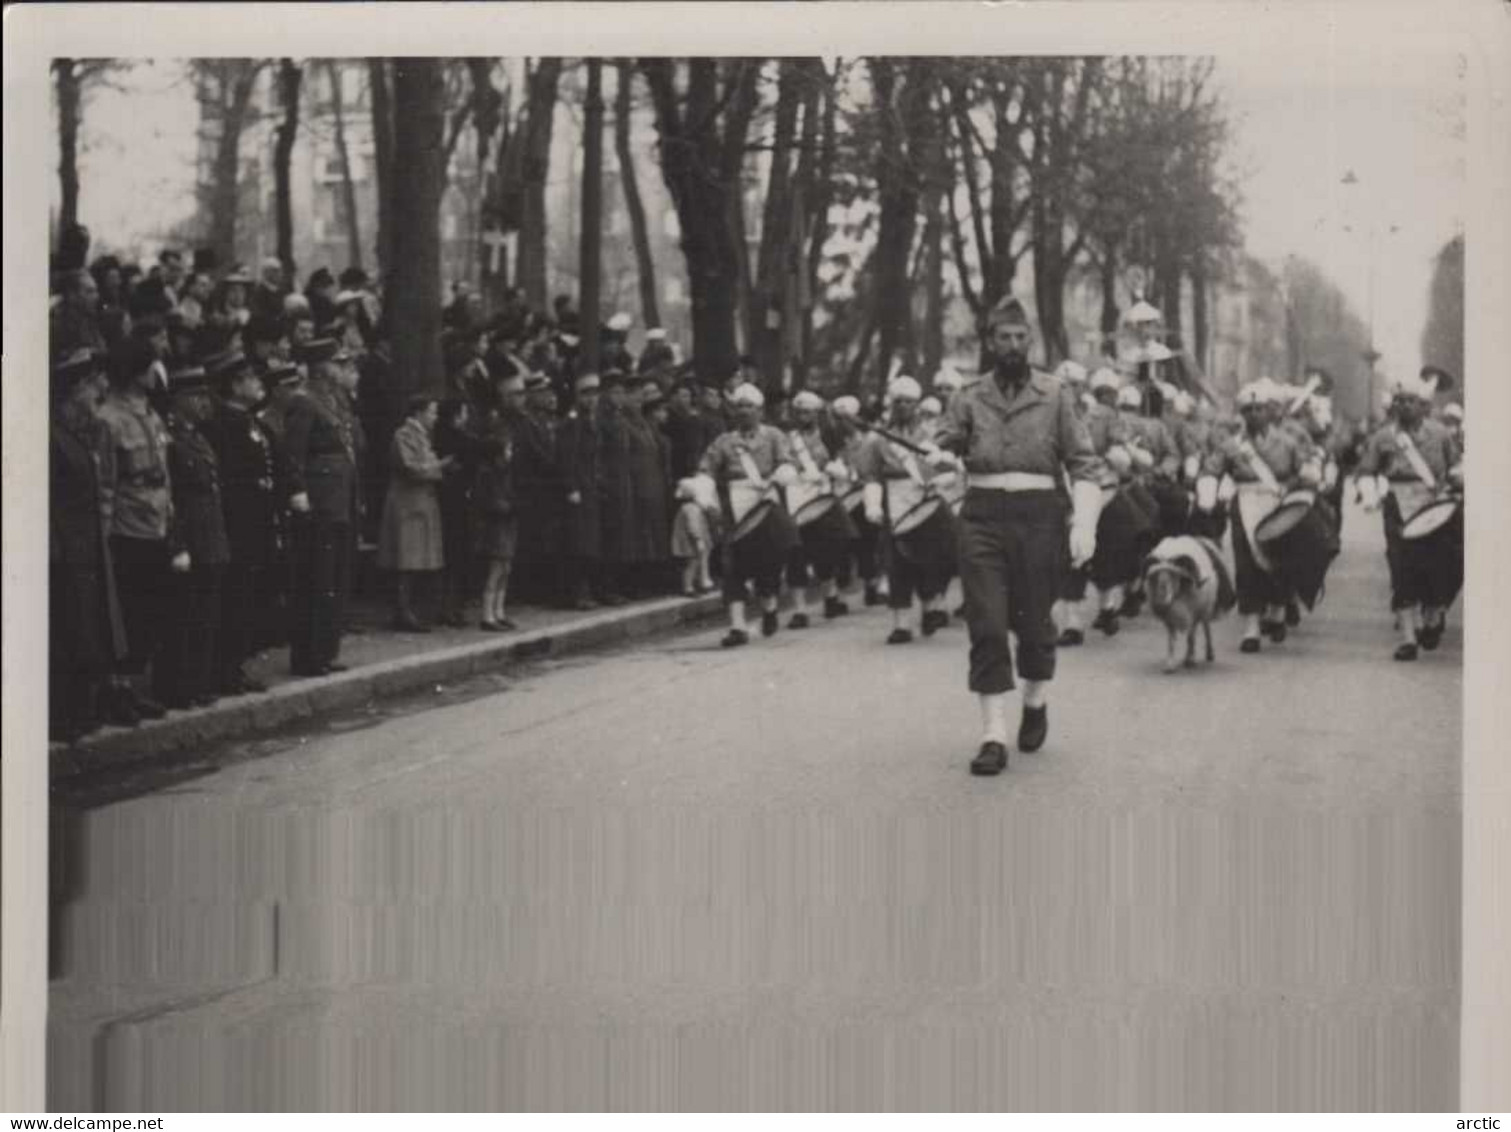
(761, 541)
(1427, 520)
(1432, 541)
(1124, 532)
(824, 520)
(1298, 537)
(924, 535)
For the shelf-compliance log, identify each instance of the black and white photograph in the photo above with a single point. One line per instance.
(908, 558)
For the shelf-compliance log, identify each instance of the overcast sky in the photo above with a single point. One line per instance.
(1395, 120)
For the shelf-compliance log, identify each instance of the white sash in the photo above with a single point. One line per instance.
(1412, 497)
(804, 455)
(806, 490)
(902, 497)
(1259, 466)
(909, 462)
(1418, 463)
(743, 495)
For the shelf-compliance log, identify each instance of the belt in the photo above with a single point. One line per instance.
(1013, 481)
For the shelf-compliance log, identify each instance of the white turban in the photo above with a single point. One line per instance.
(949, 378)
(847, 407)
(1254, 393)
(1166, 390)
(1071, 371)
(930, 405)
(1105, 378)
(904, 387)
(1411, 386)
(621, 322)
(1142, 311)
(1129, 397)
(748, 394)
(807, 399)
(1184, 403)
(1453, 411)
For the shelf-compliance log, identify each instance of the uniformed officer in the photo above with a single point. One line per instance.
(898, 480)
(744, 467)
(186, 675)
(1262, 463)
(1404, 466)
(824, 548)
(851, 442)
(1019, 435)
(324, 445)
(139, 502)
(248, 484)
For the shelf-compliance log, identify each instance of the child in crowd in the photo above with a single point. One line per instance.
(693, 539)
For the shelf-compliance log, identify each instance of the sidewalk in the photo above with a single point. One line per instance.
(381, 662)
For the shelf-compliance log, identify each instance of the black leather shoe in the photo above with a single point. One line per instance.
(1292, 614)
(1250, 644)
(734, 638)
(1033, 729)
(1430, 637)
(769, 624)
(1132, 604)
(1071, 637)
(1406, 652)
(934, 620)
(1107, 621)
(833, 607)
(1277, 632)
(990, 760)
(899, 636)
(798, 621)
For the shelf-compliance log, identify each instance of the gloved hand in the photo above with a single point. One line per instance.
(300, 502)
(1369, 492)
(180, 563)
(785, 475)
(937, 457)
(872, 497)
(837, 470)
(1309, 474)
(1086, 508)
(1206, 494)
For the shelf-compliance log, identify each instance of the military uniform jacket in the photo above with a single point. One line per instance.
(324, 447)
(767, 447)
(879, 460)
(1105, 427)
(1282, 451)
(81, 453)
(248, 484)
(1150, 434)
(1383, 456)
(137, 494)
(813, 441)
(199, 525)
(1034, 429)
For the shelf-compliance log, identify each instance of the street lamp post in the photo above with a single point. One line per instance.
(1370, 355)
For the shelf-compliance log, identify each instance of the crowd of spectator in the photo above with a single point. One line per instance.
(229, 451)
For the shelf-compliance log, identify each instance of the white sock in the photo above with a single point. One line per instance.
(737, 615)
(1035, 693)
(1251, 625)
(1409, 626)
(1072, 615)
(799, 600)
(993, 717)
(831, 589)
(769, 604)
(900, 617)
(1112, 599)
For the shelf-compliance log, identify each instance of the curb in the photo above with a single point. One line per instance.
(245, 716)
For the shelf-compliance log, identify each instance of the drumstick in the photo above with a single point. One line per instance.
(1306, 391)
(894, 438)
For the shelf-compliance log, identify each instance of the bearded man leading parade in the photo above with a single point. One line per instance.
(1018, 435)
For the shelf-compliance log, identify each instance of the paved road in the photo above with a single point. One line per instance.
(684, 877)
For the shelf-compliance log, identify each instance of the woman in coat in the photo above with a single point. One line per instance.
(455, 438)
(495, 501)
(409, 541)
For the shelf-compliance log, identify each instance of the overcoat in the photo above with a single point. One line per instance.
(410, 537)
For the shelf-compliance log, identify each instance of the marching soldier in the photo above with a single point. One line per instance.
(1073, 581)
(867, 544)
(187, 673)
(898, 480)
(1405, 467)
(823, 549)
(1115, 560)
(583, 481)
(744, 467)
(324, 448)
(1018, 435)
(249, 496)
(1262, 464)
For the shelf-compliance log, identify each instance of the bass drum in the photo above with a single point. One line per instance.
(925, 537)
(824, 522)
(1432, 539)
(1125, 533)
(762, 540)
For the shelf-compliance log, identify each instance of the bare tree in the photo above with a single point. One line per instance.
(72, 81)
(379, 94)
(290, 80)
(534, 169)
(225, 88)
(645, 265)
(769, 294)
(591, 264)
(414, 299)
(334, 70)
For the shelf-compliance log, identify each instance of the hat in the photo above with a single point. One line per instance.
(1440, 379)
(748, 394)
(1419, 388)
(1071, 371)
(1453, 411)
(1254, 393)
(808, 399)
(227, 364)
(620, 323)
(1142, 311)
(271, 261)
(611, 377)
(318, 350)
(655, 334)
(76, 365)
(569, 339)
(239, 274)
(1105, 378)
(653, 398)
(930, 405)
(282, 373)
(948, 378)
(295, 303)
(847, 407)
(188, 379)
(904, 386)
(345, 297)
(1008, 312)
(1129, 397)
(320, 277)
(534, 382)
(354, 278)
(1157, 352)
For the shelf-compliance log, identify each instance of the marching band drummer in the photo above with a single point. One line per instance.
(1110, 435)
(1417, 460)
(845, 412)
(896, 480)
(748, 461)
(1019, 436)
(1262, 462)
(820, 554)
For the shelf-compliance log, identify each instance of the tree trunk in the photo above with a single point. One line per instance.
(815, 173)
(348, 188)
(382, 114)
(237, 80)
(290, 79)
(414, 300)
(1199, 322)
(768, 299)
(70, 113)
(645, 265)
(592, 216)
(1109, 277)
(936, 184)
(902, 98)
(535, 168)
(487, 116)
